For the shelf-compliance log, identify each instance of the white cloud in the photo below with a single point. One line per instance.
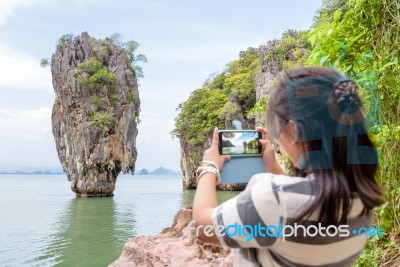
(7, 7)
(155, 145)
(20, 71)
(155, 130)
(25, 124)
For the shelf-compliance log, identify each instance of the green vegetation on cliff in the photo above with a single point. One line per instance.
(96, 77)
(99, 76)
(361, 39)
(92, 74)
(205, 107)
(208, 106)
(292, 50)
(131, 48)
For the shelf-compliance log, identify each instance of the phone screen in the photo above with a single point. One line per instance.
(239, 142)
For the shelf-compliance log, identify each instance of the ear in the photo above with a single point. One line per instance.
(293, 130)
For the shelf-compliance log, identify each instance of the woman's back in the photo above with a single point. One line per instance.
(268, 209)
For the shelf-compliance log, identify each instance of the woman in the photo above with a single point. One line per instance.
(314, 114)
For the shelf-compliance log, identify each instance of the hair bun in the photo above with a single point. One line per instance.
(345, 93)
(344, 103)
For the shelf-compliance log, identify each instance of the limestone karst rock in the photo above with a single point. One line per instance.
(191, 155)
(95, 113)
(273, 57)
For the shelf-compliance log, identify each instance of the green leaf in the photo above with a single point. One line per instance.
(336, 15)
(354, 39)
(312, 39)
(323, 60)
(395, 62)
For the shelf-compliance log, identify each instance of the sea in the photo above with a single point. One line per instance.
(43, 223)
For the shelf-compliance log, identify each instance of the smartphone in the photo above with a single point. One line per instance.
(239, 142)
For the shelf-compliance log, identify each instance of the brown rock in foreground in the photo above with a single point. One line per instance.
(173, 247)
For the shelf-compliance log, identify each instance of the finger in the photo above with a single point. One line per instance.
(215, 138)
(262, 129)
(265, 132)
(266, 144)
(227, 158)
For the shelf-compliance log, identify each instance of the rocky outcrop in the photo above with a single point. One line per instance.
(268, 73)
(277, 55)
(191, 155)
(289, 51)
(190, 159)
(95, 113)
(273, 56)
(173, 247)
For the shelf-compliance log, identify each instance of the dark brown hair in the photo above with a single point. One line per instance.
(326, 108)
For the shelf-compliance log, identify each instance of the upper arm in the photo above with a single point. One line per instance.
(202, 221)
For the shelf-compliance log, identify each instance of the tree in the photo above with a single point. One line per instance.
(131, 48)
(65, 38)
(44, 62)
(199, 115)
(116, 38)
(208, 106)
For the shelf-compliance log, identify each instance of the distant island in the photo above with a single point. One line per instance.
(158, 171)
(12, 169)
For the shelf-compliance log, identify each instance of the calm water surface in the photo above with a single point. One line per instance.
(42, 223)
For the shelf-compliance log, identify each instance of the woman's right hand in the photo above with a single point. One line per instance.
(268, 153)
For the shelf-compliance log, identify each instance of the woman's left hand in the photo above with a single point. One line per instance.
(212, 154)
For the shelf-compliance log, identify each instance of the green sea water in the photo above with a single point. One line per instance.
(42, 223)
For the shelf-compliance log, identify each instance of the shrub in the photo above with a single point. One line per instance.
(44, 62)
(91, 66)
(97, 101)
(65, 38)
(113, 98)
(103, 77)
(100, 119)
(132, 95)
(82, 81)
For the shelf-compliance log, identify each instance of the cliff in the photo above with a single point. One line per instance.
(224, 98)
(191, 155)
(246, 83)
(276, 55)
(95, 113)
(173, 247)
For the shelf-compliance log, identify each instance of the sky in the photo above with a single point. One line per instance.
(239, 137)
(184, 41)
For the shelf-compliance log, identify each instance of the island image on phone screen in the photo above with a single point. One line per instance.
(239, 142)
